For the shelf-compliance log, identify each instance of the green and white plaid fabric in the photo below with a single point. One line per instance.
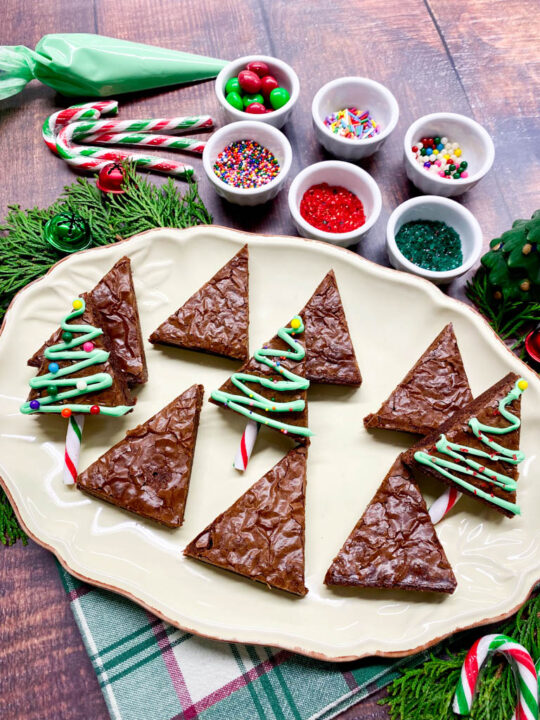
(149, 670)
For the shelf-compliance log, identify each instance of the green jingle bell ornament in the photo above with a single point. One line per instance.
(67, 232)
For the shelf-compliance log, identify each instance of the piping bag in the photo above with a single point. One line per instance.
(80, 64)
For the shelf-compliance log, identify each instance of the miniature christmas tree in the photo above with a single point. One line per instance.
(506, 288)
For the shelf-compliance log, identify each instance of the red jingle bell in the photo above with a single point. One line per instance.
(111, 178)
(532, 344)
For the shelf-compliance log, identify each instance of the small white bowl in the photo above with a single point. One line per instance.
(360, 92)
(473, 139)
(432, 207)
(336, 172)
(268, 137)
(283, 73)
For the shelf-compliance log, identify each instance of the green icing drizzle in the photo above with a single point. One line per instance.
(250, 399)
(64, 386)
(467, 466)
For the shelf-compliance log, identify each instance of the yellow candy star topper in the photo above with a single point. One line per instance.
(523, 384)
(295, 323)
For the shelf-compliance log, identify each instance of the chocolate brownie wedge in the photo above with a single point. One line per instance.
(117, 394)
(330, 356)
(430, 393)
(216, 318)
(261, 536)
(282, 421)
(148, 472)
(394, 544)
(477, 449)
(114, 298)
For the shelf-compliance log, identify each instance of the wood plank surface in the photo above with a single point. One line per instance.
(471, 56)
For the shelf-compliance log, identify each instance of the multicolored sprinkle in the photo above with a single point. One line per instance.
(246, 164)
(353, 124)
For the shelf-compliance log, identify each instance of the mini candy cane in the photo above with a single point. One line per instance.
(443, 504)
(86, 111)
(247, 443)
(66, 125)
(73, 448)
(146, 140)
(94, 158)
(525, 671)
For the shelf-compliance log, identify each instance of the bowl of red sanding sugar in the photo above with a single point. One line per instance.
(353, 116)
(284, 76)
(334, 201)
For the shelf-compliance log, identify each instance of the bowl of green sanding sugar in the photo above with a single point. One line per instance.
(433, 237)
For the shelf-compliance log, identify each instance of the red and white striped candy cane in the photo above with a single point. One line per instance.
(443, 504)
(73, 448)
(525, 671)
(95, 158)
(537, 666)
(86, 111)
(146, 140)
(247, 443)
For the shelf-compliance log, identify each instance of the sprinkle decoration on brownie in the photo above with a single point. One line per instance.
(76, 347)
(462, 454)
(250, 401)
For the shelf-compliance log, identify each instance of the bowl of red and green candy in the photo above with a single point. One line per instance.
(258, 87)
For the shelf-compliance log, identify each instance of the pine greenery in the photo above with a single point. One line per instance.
(426, 692)
(25, 255)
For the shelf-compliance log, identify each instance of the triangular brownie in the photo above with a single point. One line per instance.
(216, 318)
(330, 356)
(148, 472)
(430, 393)
(117, 394)
(114, 298)
(253, 367)
(455, 454)
(394, 544)
(261, 536)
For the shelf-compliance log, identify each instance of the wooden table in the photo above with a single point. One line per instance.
(470, 56)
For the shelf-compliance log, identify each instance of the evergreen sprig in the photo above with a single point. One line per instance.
(25, 254)
(426, 692)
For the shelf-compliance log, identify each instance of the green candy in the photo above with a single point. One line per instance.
(52, 389)
(234, 99)
(279, 97)
(248, 99)
(233, 86)
(67, 336)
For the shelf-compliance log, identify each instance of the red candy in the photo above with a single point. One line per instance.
(332, 208)
(249, 82)
(268, 83)
(259, 68)
(95, 410)
(256, 108)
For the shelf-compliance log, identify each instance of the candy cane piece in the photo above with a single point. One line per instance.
(145, 140)
(247, 443)
(85, 111)
(73, 448)
(537, 666)
(94, 158)
(443, 504)
(525, 671)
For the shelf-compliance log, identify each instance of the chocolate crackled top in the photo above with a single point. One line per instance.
(261, 536)
(115, 300)
(148, 472)
(434, 388)
(394, 544)
(216, 318)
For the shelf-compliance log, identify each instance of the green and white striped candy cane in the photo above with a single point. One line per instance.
(85, 111)
(145, 140)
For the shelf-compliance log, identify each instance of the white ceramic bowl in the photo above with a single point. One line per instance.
(266, 135)
(360, 92)
(336, 172)
(283, 73)
(432, 207)
(473, 139)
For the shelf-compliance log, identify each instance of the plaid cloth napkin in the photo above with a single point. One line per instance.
(149, 670)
